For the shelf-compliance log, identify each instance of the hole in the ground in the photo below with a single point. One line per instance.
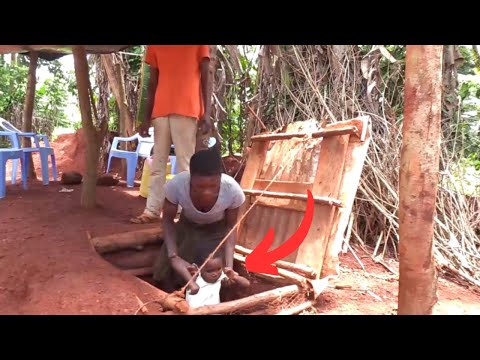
(138, 260)
(135, 253)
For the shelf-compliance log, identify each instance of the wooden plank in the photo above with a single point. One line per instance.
(283, 195)
(253, 166)
(283, 186)
(327, 182)
(354, 163)
(343, 130)
(361, 123)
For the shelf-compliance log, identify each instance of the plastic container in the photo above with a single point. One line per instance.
(145, 183)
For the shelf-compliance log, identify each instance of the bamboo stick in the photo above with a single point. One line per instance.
(288, 275)
(300, 269)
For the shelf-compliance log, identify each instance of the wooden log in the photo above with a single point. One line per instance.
(134, 259)
(245, 303)
(127, 240)
(172, 304)
(296, 309)
(273, 279)
(288, 275)
(347, 130)
(176, 302)
(281, 195)
(296, 268)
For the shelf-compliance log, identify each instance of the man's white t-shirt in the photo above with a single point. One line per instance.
(231, 196)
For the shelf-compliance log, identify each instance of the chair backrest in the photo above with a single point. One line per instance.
(13, 137)
(144, 147)
(5, 125)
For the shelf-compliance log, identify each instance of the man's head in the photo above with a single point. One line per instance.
(205, 172)
(214, 267)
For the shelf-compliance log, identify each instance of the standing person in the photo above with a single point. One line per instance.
(178, 105)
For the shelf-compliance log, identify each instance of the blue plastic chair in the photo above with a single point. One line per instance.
(144, 149)
(44, 151)
(14, 155)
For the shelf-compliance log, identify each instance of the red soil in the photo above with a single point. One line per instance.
(49, 267)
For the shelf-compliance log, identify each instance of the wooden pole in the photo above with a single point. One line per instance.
(127, 240)
(28, 108)
(300, 269)
(281, 195)
(290, 276)
(419, 166)
(117, 85)
(89, 194)
(247, 302)
(347, 130)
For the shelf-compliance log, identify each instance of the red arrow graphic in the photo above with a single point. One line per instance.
(260, 260)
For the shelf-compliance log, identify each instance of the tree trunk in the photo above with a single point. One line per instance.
(419, 178)
(28, 109)
(88, 198)
(142, 92)
(117, 84)
(103, 109)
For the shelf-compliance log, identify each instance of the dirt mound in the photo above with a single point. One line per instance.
(70, 152)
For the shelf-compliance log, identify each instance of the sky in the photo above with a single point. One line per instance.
(71, 110)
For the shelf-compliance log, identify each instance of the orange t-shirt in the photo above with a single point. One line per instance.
(179, 88)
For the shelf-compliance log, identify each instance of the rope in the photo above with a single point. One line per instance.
(230, 232)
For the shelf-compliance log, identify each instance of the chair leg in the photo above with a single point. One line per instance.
(26, 157)
(24, 165)
(54, 167)
(109, 163)
(131, 167)
(44, 163)
(3, 178)
(14, 171)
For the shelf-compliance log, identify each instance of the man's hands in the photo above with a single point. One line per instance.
(183, 267)
(143, 129)
(205, 125)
